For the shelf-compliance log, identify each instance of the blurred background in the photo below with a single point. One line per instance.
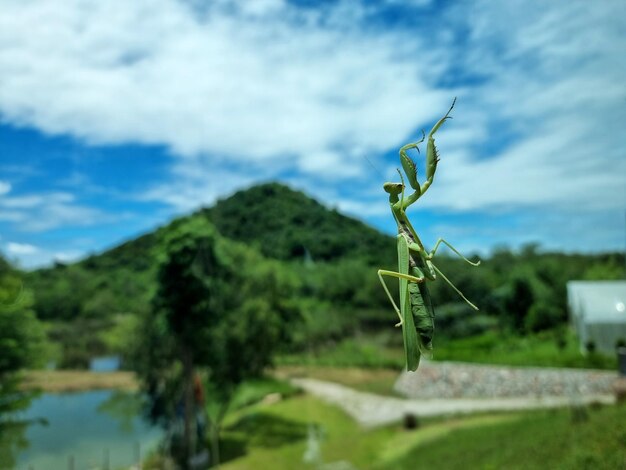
(192, 217)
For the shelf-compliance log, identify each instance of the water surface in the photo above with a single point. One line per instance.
(88, 427)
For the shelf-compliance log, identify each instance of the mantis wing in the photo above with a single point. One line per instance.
(411, 347)
(424, 316)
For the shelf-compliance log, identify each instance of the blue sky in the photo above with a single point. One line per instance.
(117, 116)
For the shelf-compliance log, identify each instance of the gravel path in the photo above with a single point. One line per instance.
(462, 380)
(506, 391)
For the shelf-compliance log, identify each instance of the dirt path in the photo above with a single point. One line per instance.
(371, 410)
(56, 381)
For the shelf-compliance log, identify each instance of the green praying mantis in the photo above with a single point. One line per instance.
(415, 263)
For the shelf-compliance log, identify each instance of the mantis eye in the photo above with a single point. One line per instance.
(393, 188)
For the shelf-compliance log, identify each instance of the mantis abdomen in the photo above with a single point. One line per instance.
(423, 315)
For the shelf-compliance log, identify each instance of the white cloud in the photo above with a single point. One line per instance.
(363, 209)
(67, 256)
(21, 249)
(47, 211)
(220, 83)
(271, 84)
(34, 200)
(198, 182)
(554, 80)
(241, 92)
(28, 256)
(5, 188)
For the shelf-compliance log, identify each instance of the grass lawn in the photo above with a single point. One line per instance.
(375, 351)
(379, 381)
(369, 351)
(275, 436)
(532, 350)
(546, 439)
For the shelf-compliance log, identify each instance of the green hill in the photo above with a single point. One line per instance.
(332, 261)
(280, 222)
(286, 224)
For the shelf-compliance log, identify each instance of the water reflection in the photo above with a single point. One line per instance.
(105, 364)
(12, 441)
(89, 428)
(13, 423)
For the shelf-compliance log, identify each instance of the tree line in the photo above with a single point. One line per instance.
(331, 261)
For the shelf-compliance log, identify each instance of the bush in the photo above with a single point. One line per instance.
(458, 320)
(542, 316)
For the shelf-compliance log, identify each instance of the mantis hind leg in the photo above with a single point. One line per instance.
(409, 333)
(440, 241)
(454, 287)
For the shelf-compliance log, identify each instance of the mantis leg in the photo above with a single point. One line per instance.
(440, 241)
(413, 145)
(409, 333)
(397, 275)
(432, 254)
(432, 155)
(454, 287)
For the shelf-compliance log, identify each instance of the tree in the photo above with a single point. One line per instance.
(21, 334)
(519, 300)
(21, 346)
(217, 315)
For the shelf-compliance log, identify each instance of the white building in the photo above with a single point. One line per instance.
(598, 313)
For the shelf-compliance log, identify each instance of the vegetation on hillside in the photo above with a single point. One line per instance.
(22, 345)
(288, 225)
(332, 260)
(281, 223)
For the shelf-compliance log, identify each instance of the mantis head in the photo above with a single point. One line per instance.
(394, 190)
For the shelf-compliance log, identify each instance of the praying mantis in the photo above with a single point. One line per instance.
(415, 263)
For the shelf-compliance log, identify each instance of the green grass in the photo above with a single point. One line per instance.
(364, 352)
(532, 350)
(377, 351)
(548, 439)
(379, 381)
(275, 436)
(253, 391)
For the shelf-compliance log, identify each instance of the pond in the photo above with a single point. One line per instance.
(86, 430)
(105, 364)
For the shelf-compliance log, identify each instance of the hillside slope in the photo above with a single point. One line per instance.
(286, 224)
(280, 222)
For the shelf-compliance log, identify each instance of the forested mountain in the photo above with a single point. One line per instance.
(289, 226)
(286, 224)
(281, 223)
(331, 262)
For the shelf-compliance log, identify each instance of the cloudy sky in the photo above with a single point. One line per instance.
(116, 116)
